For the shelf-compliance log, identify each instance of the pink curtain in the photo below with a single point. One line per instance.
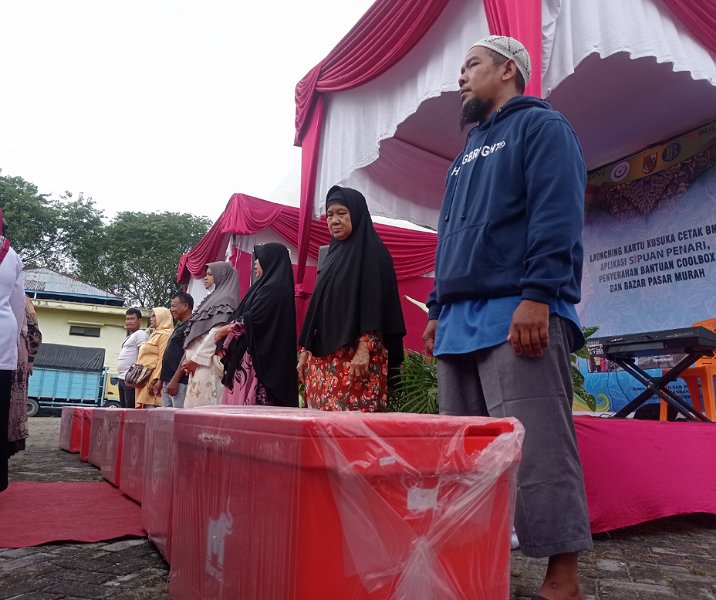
(522, 21)
(413, 252)
(213, 244)
(386, 33)
(699, 17)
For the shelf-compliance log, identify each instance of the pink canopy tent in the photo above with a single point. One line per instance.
(247, 221)
(380, 112)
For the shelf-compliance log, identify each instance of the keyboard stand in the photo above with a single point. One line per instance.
(658, 385)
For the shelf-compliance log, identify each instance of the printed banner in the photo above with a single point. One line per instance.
(650, 252)
(650, 161)
(614, 388)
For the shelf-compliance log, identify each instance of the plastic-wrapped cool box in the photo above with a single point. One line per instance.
(284, 504)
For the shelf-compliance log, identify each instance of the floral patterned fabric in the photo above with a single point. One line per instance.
(204, 387)
(247, 390)
(330, 387)
(30, 340)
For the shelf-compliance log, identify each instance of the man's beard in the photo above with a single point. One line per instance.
(475, 111)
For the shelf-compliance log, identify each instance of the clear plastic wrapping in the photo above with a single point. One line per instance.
(111, 466)
(70, 429)
(273, 503)
(131, 481)
(86, 415)
(158, 477)
(98, 433)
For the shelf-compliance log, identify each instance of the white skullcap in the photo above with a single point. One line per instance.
(509, 48)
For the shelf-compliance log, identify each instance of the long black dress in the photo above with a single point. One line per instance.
(356, 299)
(264, 328)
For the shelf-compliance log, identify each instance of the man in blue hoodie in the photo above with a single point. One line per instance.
(508, 269)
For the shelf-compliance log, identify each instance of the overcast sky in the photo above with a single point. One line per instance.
(158, 104)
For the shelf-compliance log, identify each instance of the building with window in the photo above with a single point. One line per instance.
(77, 314)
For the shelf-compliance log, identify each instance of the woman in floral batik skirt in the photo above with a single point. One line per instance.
(352, 336)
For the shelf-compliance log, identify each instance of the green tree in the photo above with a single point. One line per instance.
(134, 256)
(79, 227)
(137, 254)
(45, 231)
(32, 221)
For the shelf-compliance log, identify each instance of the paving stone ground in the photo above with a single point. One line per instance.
(670, 558)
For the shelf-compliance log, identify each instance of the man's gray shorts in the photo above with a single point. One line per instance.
(551, 515)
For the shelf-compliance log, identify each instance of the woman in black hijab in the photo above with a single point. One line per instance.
(353, 333)
(260, 342)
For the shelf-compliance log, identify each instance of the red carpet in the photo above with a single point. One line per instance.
(38, 513)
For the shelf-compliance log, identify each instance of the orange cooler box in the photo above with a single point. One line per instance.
(158, 475)
(287, 504)
(131, 481)
(71, 429)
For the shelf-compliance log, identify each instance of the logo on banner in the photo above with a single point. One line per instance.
(620, 171)
(649, 163)
(217, 531)
(671, 152)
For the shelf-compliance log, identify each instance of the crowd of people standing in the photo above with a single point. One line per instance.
(245, 351)
(502, 318)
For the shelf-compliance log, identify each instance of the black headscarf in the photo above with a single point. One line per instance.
(217, 306)
(357, 290)
(269, 314)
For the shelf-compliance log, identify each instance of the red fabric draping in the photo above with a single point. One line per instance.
(637, 471)
(213, 244)
(413, 252)
(309, 171)
(386, 33)
(699, 17)
(523, 21)
(243, 215)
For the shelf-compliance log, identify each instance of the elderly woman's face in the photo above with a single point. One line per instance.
(208, 278)
(258, 271)
(338, 218)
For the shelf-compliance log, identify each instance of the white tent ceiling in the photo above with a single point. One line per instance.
(626, 75)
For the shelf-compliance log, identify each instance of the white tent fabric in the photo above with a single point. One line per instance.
(355, 121)
(626, 74)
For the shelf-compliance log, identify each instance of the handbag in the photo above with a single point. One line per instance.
(137, 375)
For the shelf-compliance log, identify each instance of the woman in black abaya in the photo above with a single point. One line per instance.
(259, 345)
(353, 333)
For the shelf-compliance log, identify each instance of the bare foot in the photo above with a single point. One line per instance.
(561, 582)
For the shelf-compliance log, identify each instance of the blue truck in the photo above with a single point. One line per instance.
(69, 376)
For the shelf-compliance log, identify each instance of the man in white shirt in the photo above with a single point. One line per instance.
(136, 336)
